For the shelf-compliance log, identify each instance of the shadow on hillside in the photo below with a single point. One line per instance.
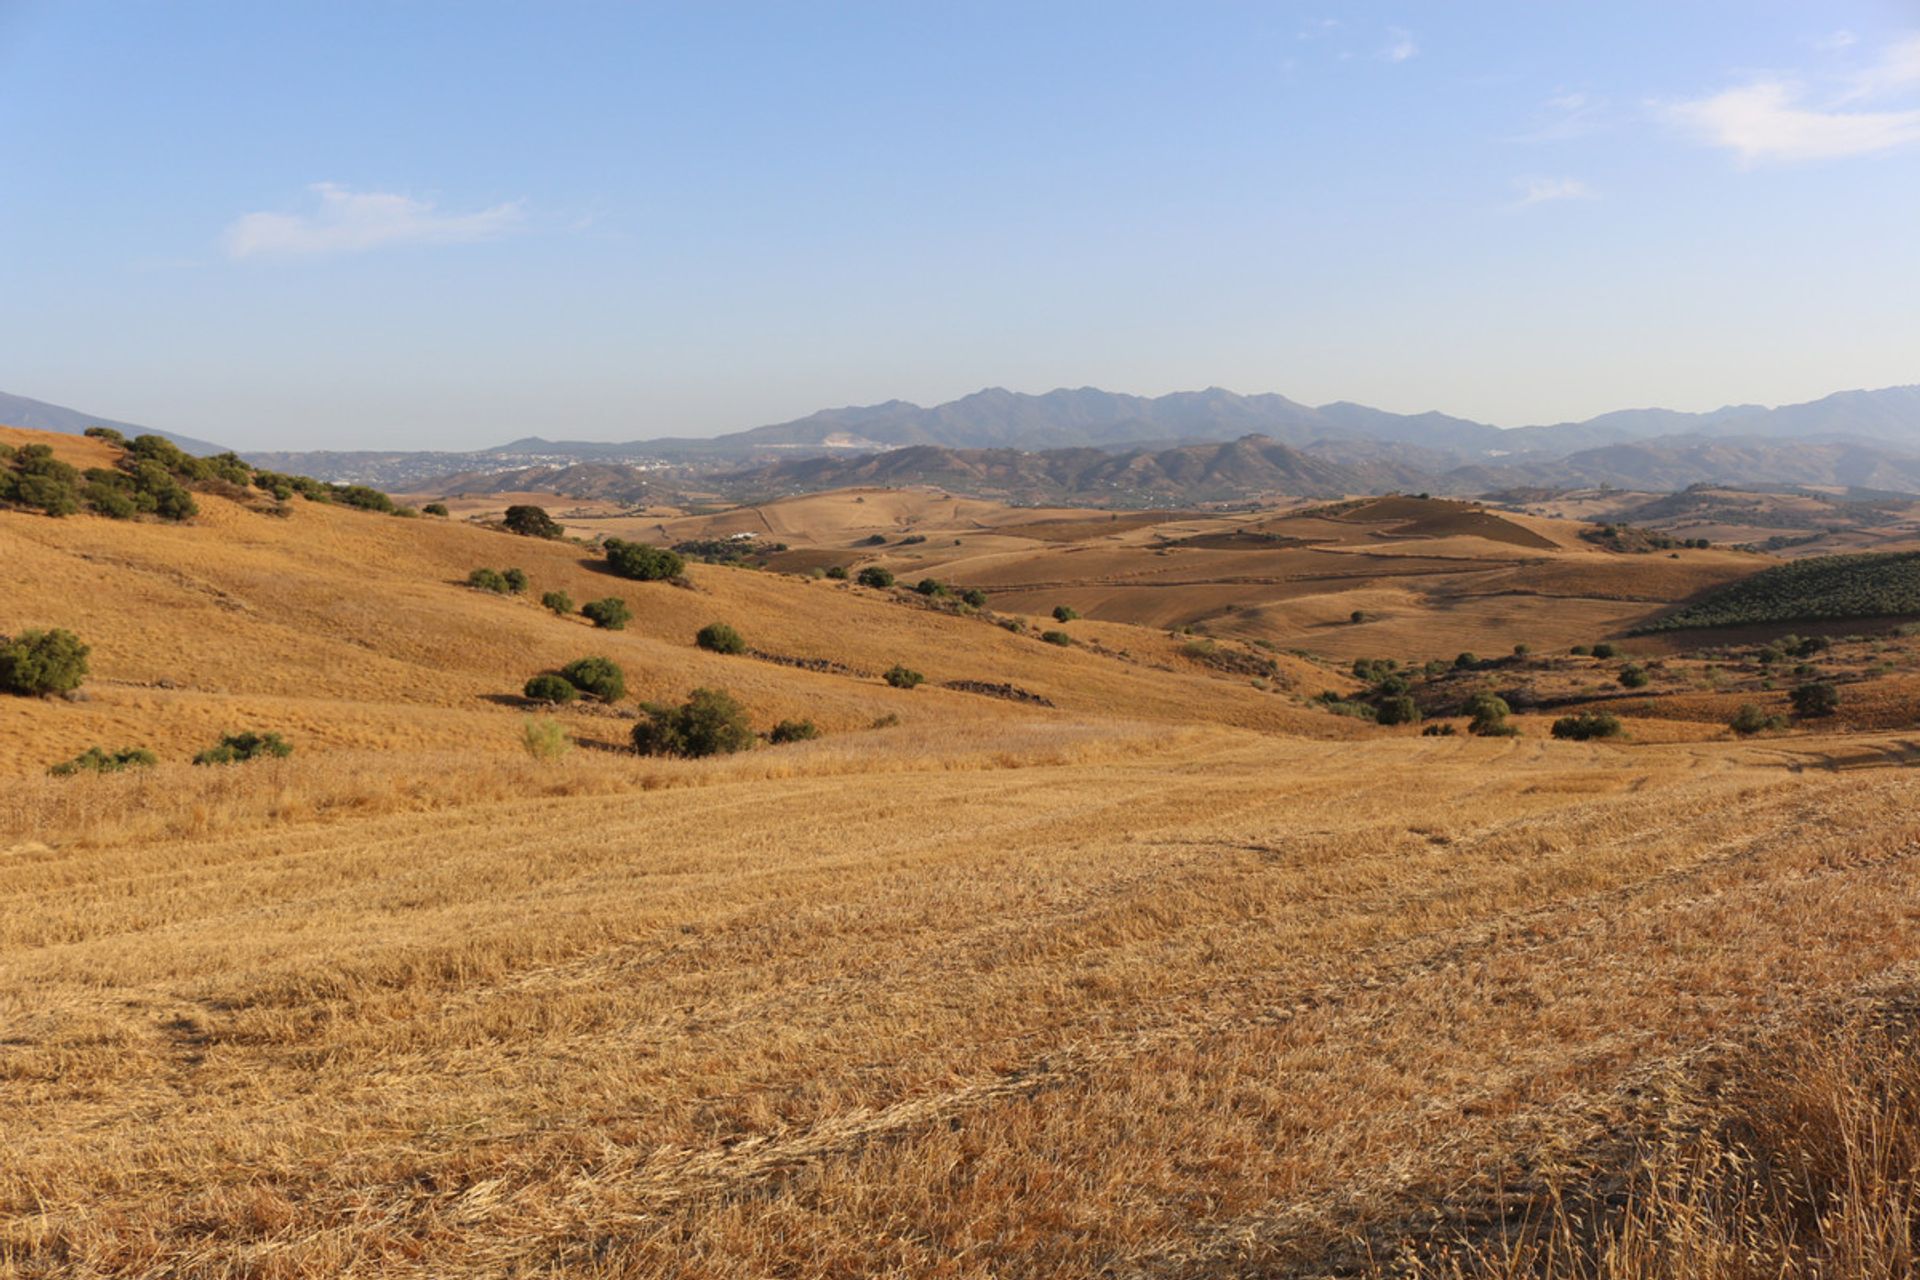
(513, 700)
(1900, 755)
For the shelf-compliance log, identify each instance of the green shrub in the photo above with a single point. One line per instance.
(1438, 731)
(544, 738)
(94, 760)
(838, 572)
(1580, 650)
(1060, 638)
(516, 580)
(36, 663)
(108, 434)
(1602, 650)
(874, 576)
(931, 587)
(903, 677)
(530, 521)
(362, 497)
(236, 748)
(641, 562)
(488, 580)
(1357, 616)
(601, 677)
(550, 688)
(611, 614)
(1397, 710)
(718, 637)
(1522, 650)
(1634, 677)
(558, 602)
(1344, 707)
(793, 731)
(709, 723)
(436, 509)
(1750, 719)
(1587, 724)
(1489, 713)
(1815, 699)
(1065, 613)
(35, 479)
(974, 598)
(1465, 662)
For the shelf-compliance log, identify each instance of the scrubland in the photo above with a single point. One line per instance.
(1178, 977)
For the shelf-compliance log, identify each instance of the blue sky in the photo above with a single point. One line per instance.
(394, 225)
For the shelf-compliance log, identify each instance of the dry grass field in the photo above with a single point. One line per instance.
(1179, 976)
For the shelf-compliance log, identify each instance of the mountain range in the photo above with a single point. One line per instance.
(38, 415)
(1087, 444)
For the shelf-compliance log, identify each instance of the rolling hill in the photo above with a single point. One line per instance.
(38, 415)
(1165, 969)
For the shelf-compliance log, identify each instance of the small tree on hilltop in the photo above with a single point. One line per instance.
(611, 614)
(529, 521)
(601, 677)
(36, 663)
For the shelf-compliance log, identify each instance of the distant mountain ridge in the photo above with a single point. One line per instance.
(38, 415)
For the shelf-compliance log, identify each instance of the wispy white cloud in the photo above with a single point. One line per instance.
(352, 221)
(1780, 118)
(1546, 190)
(1837, 40)
(1897, 71)
(1400, 45)
(1770, 120)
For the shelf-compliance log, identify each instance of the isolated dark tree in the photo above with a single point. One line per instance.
(1815, 699)
(1065, 613)
(1399, 709)
(488, 580)
(903, 677)
(1634, 677)
(530, 521)
(516, 580)
(874, 576)
(432, 508)
(36, 663)
(1489, 713)
(974, 598)
(558, 602)
(641, 562)
(610, 614)
(718, 637)
(601, 677)
(838, 572)
(1603, 650)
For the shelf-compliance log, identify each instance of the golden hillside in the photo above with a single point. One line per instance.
(1180, 977)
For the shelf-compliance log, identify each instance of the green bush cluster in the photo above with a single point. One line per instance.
(609, 614)
(875, 576)
(901, 677)
(1815, 699)
(641, 562)
(1060, 638)
(1867, 585)
(1633, 676)
(601, 677)
(549, 688)
(792, 731)
(436, 509)
(94, 760)
(1587, 724)
(1065, 613)
(236, 748)
(1750, 719)
(557, 602)
(710, 722)
(1489, 712)
(36, 663)
(500, 581)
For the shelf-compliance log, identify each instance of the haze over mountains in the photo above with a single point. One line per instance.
(1087, 444)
